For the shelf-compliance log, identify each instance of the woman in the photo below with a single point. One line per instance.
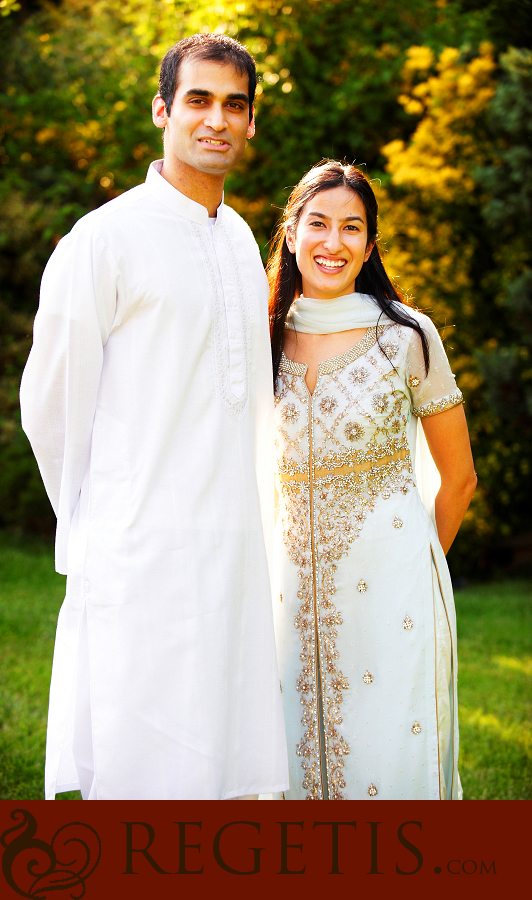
(365, 620)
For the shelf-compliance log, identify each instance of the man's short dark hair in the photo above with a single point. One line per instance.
(213, 47)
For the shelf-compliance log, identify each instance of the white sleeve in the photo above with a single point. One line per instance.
(433, 393)
(60, 382)
(430, 394)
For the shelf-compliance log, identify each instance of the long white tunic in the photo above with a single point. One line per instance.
(364, 611)
(147, 399)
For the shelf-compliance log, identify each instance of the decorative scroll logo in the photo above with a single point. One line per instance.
(34, 868)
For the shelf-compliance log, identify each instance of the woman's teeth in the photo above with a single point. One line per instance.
(330, 263)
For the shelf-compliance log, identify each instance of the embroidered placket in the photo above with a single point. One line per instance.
(233, 318)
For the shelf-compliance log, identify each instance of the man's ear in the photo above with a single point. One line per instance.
(159, 114)
(251, 126)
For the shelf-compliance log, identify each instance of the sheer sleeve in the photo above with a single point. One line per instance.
(433, 393)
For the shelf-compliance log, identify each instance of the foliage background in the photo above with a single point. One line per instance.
(434, 98)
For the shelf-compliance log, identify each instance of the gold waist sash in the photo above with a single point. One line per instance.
(345, 470)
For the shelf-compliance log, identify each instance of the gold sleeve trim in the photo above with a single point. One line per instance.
(432, 409)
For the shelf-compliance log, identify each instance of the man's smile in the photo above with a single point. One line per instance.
(214, 142)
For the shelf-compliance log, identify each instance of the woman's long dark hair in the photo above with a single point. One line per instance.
(285, 277)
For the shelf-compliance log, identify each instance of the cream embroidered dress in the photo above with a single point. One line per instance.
(364, 613)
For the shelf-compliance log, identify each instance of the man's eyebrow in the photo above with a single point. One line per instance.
(201, 92)
(347, 218)
(238, 96)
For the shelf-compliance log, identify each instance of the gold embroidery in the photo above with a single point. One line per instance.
(413, 381)
(359, 376)
(416, 728)
(367, 677)
(407, 623)
(353, 431)
(289, 413)
(390, 349)
(372, 790)
(379, 403)
(373, 462)
(432, 409)
(362, 586)
(397, 522)
(344, 359)
(328, 405)
(291, 367)
(327, 489)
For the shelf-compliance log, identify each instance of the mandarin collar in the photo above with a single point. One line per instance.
(175, 200)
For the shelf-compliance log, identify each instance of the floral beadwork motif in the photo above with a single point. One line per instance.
(397, 522)
(328, 405)
(289, 413)
(362, 586)
(390, 349)
(379, 403)
(413, 381)
(416, 728)
(372, 790)
(407, 623)
(353, 431)
(367, 677)
(359, 375)
(396, 426)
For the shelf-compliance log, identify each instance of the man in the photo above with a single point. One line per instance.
(147, 399)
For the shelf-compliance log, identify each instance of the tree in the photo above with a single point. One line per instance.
(459, 206)
(452, 157)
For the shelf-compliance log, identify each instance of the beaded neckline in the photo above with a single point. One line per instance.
(336, 362)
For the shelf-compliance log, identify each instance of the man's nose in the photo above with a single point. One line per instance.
(215, 117)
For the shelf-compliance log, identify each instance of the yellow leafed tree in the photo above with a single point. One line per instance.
(427, 206)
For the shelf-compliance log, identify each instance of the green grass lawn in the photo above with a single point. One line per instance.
(494, 657)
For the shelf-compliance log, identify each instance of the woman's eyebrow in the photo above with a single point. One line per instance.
(347, 218)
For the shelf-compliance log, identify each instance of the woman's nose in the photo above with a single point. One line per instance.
(333, 241)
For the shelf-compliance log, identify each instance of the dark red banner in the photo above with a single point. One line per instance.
(160, 849)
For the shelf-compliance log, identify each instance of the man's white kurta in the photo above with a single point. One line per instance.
(147, 399)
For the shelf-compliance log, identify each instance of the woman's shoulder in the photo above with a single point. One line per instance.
(420, 318)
